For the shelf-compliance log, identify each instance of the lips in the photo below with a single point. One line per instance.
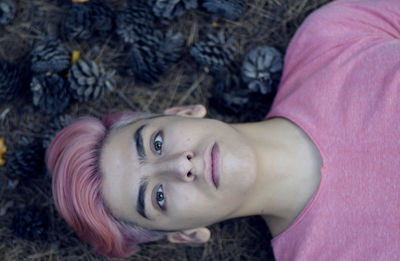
(215, 165)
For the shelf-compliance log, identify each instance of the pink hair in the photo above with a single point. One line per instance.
(73, 160)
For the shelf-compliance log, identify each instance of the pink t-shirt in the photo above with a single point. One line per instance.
(341, 85)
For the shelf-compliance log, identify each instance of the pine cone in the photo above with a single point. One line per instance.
(168, 9)
(135, 21)
(62, 2)
(152, 53)
(50, 92)
(229, 95)
(87, 80)
(262, 68)
(7, 11)
(12, 80)
(30, 223)
(26, 162)
(94, 18)
(215, 53)
(171, 47)
(56, 124)
(103, 18)
(50, 56)
(231, 9)
(78, 22)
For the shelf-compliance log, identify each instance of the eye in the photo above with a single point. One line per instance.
(160, 199)
(158, 142)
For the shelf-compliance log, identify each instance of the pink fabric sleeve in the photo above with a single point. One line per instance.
(341, 85)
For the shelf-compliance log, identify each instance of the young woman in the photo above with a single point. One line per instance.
(322, 169)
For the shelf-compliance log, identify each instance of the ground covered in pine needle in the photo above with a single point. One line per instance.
(264, 22)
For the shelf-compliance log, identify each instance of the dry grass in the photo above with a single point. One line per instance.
(271, 22)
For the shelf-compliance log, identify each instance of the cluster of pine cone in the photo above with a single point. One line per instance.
(55, 80)
(52, 80)
(24, 166)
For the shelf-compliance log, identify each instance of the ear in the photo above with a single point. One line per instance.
(197, 235)
(195, 111)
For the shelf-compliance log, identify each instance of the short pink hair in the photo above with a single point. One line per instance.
(73, 161)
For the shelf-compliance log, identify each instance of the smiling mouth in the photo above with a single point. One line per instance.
(215, 165)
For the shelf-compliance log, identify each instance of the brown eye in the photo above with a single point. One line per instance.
(158, 141)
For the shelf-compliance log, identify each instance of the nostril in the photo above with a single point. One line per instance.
(189, 157)
(189, 174)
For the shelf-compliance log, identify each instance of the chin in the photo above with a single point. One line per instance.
(240, 171)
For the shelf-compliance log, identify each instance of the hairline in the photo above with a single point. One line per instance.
(133, 120)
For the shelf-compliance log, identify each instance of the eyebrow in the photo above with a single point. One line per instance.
(140, 204)
(138, 138)
(139, 144)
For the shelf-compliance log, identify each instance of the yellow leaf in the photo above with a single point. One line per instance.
(75, 56)
(3, 149)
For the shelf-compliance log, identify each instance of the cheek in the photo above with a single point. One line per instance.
(183, 200)
(177, 140)
(192, 208)
(187, 202)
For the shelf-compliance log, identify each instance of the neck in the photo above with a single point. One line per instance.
(288, 172)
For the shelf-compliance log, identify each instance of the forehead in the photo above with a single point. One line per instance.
(119, 166)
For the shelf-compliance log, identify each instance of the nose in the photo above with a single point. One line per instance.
(179, 165)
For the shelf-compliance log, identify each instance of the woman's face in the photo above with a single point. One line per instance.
(174, 173)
